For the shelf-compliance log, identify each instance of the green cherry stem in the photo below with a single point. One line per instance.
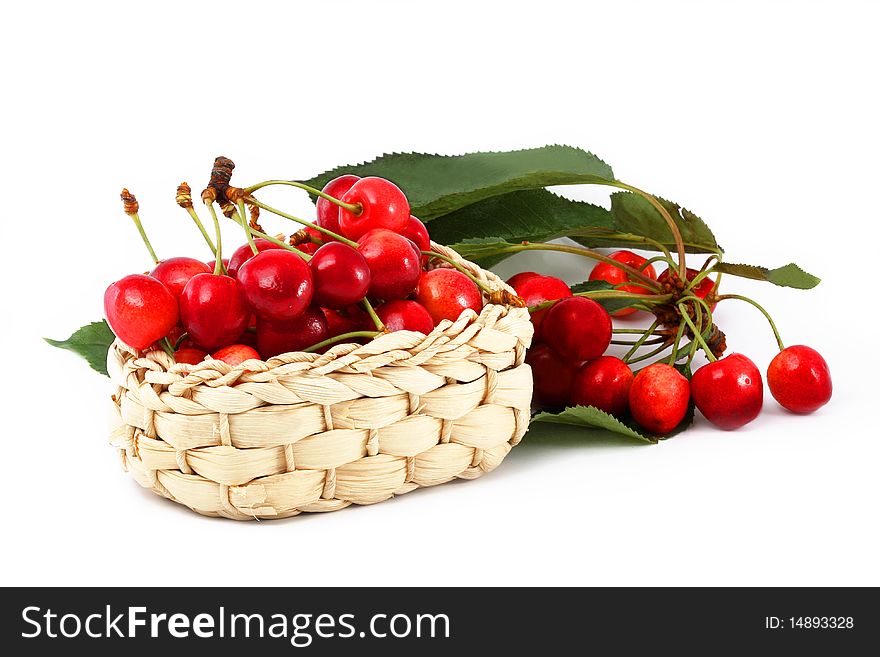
(354, 208)
(645, 335)
(284, 245)
(663, 347)
(318, 228)
(165, 343)
(650, 329)
(761, 308)
(130, 206)
(201, 227)
(676, 342)
(640, 343)
(606, 294)
(433, 254)
(219, 268)
(183, 336)
(248, 231)
(380, 327)
(698, 337)
(342, 338)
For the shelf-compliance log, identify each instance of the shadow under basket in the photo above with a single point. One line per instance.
(305, 432)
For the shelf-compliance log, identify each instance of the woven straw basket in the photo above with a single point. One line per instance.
(317, 432)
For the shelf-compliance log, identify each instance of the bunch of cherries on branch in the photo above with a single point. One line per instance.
(573, 333)
(359, 271)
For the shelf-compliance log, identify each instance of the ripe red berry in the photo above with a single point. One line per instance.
(383, 205)
(577, 328)
(701, 291)
(340, 274)
(327, 212)
(277, 284)
(729, 392)
(603, 383)
(799, 379)
(401, 315)
(538, 289)
(658, 398)
(394, 264)
(236, 354)
(353, 318)
(445, 293)
(213, 310)
(244, 253)
(552, 376)
(176, 272)
(417, 232)
(518, 279)
(190, 355)
(140, 310)
(616, 276)
(296, 334)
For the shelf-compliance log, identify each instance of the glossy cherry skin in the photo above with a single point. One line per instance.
(176, 272)
(605, 271)
(671, 280)
(214, 311)
(446, 293)
(577, 328)
(417, 232)
(658, 398)
(140, 310)
(729, 392)
(244, 253)
(340, 274)
(383, 205)
(538, 289)
(518, 279)
(327, 212)
(190, 355)
(603, 383)
(394, 264)
(236, 354)
(552, 376)
(277, 284)
(799, 379)
(401, 315)
(296, 334)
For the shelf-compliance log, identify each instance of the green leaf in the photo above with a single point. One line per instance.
(439, 184)
(592, 418)
(634, 214)
(610, 305)
(788, 276)
(91, 342)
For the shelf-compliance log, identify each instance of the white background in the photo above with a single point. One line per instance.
(761, 117)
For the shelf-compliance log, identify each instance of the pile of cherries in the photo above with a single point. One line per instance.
(361, 272)
(570, 366)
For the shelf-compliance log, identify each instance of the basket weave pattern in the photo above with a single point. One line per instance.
(307, 432)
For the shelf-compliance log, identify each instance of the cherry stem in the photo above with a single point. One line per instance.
(274, 240)
(634, 273)
(676, 343)
(645, 335)
(341, 338)
(201, 227)
(241, 214)
(310, 224)
(137, 222)
(372, 313)
(354, 208)
(166, 347)
(655, 352)
(697, 336)
(761, 308)
(631, 237)
(183, 336)
(640, 343)
(480, 284)
(661, 258)
(219, 268)
(606, 294)
(639, 331)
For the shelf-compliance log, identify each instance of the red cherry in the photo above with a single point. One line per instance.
(311, 246)
(295, 334)
(353, 318)
(393, 261)
(190, 355)
(244, 253)
(538, 289)
(552, 376)
(728, 392)
(799, 379)
(236, 354)
(140, 310)
(212, 262)
(213, 310)
(328, 213)
(603, 383)
(340, 274)
(605, 271)
(176, 272)
(658, 398)
(518, 279)
(704, 287)
(400, 315)
(577, 328)
(277, 284)
(417, 232)
(383, 205)
(445, 293)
